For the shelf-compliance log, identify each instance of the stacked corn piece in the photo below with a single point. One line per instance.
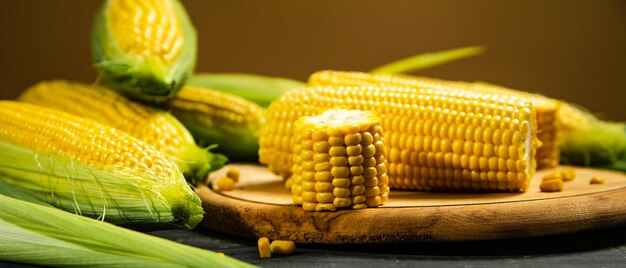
(548, 125)
(338, 161)
(91, 169)
(145, 49)
(438, 137)
(215, 117)
(157, 128)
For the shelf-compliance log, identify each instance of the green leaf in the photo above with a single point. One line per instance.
(427, 60)
(42, 235)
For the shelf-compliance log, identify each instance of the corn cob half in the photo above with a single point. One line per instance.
(84, 167)
(438, 137)
(548, 126)
(145, 49)
(155, 127)
(338, 161)
(215, 117)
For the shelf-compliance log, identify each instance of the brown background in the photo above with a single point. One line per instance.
(575, 50)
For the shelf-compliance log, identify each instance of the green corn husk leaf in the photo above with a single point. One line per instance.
(590, 141)
(257, 88)
(114, 195)
(35, 234)
(143, 76)
(428, 60)
(215, 117)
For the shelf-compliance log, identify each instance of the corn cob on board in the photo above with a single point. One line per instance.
(260, 206)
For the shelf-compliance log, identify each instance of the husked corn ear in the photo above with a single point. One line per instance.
(338, 161)
(215, 117)
(548, 125)
(145, 49)
(437, 137)
(155, 127)
(82, 166)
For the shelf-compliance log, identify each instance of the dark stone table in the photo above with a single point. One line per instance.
(603, 248)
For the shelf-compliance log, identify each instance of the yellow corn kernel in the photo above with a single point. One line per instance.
(233, 173)
(221, 254)
(264, 247)
(342, 175)
(596, 180)
(568, 174)
(283, 247)
(437, 136)
(553, 176)
(224, 184)
(552, 185)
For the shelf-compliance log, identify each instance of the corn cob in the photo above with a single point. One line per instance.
(438, 137)
(145, 49)
(215, 117)
(548, 127)
(157, 128)
(81, 166)
(338, 161)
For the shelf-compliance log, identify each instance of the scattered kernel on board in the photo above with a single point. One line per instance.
(233, 174)
(596, 180)
(283, 247)
(568, 174)
(553, 185)
(553, 176)
(264, 247)
(224, 184)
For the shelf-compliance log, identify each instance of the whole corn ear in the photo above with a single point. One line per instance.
(259, 89)
(145, 49)
(91, 169)
(338, 161)
(548, 125)
(220, 118)
(155, 127)
(437, 137)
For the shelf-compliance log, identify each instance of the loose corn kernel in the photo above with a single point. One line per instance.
(264, 247)
(221, 254)
(568, 174)
(553, 176)
(553, 185)
(224, 184)
(283, 247)
(596, 180)
(233, 174)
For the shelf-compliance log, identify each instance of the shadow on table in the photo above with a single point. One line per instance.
(567, 243)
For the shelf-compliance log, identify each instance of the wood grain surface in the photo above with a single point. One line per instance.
(260, 206)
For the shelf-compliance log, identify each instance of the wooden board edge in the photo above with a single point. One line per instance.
(414, 224)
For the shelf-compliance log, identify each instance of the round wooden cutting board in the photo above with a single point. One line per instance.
(261, 206)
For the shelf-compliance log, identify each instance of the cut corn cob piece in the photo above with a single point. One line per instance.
(438, 137)
(338, 161)
(215, 117)
(548, 126)
(155, 127)
(145, 49)
(94, 170)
